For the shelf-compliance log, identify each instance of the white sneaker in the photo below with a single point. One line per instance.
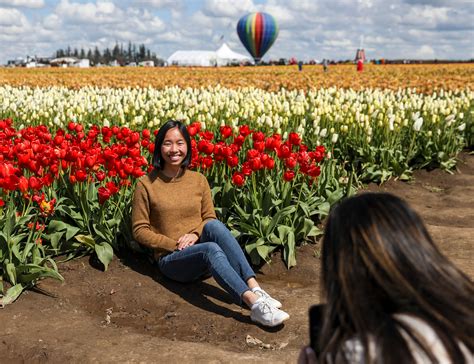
(260, 292)
(267, 315)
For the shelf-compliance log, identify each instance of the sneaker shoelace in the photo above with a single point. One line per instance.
(266, 307)
(262, 293)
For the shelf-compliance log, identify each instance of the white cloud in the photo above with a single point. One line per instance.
(282, 15)
(426, 17)
(12, 18)
(228, 8)
(101, 12)
(426, 51)
(23, 3)
(52, 21)
(159, 3)
(308, 29)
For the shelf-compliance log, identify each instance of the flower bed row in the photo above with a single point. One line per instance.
(385, 133)
(69, 192)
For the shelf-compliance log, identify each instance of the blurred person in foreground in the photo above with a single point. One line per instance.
(390, 295)
(173, 214)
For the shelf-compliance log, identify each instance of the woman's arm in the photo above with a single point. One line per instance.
(207, 207)
(141, 227)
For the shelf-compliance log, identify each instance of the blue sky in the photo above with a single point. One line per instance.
(309, 29)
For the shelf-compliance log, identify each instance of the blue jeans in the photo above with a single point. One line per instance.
(217, 253)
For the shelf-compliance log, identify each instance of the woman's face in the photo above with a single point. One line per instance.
(174, 148)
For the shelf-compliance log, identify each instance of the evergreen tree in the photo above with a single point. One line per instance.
(97, 55)
(141, 52)
(116, 51)
(107, 56)
(129, 53)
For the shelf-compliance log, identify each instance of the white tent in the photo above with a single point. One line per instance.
(227, 56)
(223, 56)
(193, 58)
(63, 61)
(82, 63)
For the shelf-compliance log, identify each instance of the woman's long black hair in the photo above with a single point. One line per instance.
(379, 260)
(158, 161)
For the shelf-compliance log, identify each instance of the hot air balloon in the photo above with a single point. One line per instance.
(257, 32)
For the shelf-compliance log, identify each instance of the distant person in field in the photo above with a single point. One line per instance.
(390, 296)
(360, 65)
(325, 65)
(173, 214)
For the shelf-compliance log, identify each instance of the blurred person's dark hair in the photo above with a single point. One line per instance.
(378, 260)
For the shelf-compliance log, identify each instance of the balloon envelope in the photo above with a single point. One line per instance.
(257, 32)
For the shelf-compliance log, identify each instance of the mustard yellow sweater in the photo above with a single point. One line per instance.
(164, 209)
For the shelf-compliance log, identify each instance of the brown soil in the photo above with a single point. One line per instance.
(132, 314)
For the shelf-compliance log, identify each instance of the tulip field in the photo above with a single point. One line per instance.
(278, 147)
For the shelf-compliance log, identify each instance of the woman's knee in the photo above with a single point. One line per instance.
(215, 230)
(213, 225)
(213, 251)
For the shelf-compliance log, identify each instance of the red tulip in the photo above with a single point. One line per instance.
(112, 187)
(269, 163)
(284, 151)
(260, 146)
(258, 136)
(232, 161)
(244, 130)
(290, 162)
(207, 135)
(288, 176)
(81, 175)
(206, 162)
(100, 176)
(226, 131)
(34, 183)
(252, 153)
(246, 169)
(314, 171)
(23, 184)
(238, 179)
(90, 161)
(103, 194)
(146, 133)
(256, 164)
(294, 138)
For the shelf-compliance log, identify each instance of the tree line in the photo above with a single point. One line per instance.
(132, 53)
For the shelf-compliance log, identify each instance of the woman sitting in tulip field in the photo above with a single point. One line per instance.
(390, 296)
(173, 214)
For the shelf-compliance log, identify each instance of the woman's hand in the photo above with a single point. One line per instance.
(307, 356)
(187, 240)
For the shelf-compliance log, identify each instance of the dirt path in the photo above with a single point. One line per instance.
(131, 314)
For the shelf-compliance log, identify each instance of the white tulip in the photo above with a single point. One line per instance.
(418, 124)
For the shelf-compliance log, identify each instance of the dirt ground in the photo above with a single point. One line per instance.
(132, 314)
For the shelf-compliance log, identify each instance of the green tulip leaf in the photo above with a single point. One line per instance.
(11, 295)
(105, 253)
